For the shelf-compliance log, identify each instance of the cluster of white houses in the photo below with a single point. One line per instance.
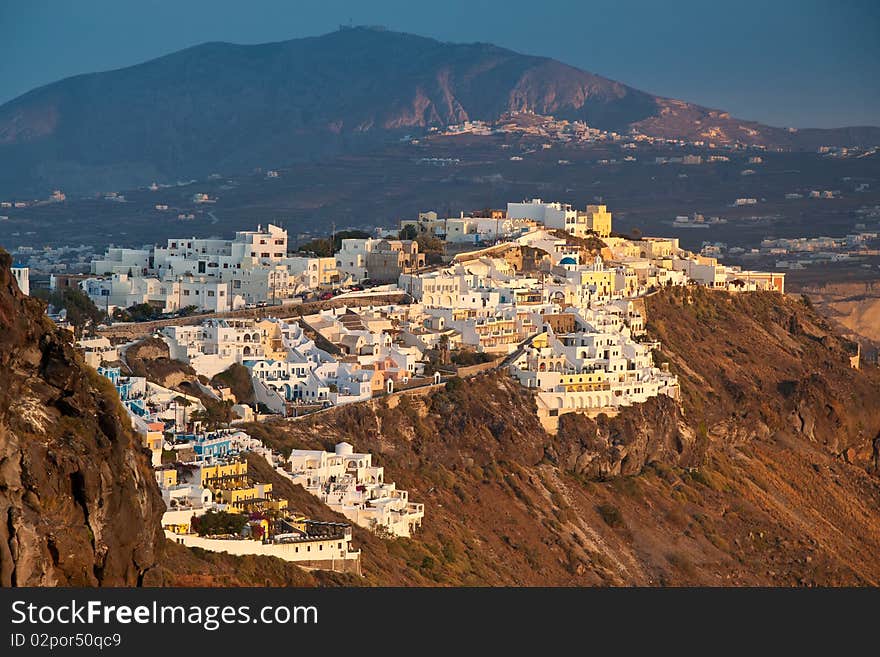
(221, 482)
(348, 482)
(590, 361)
(254, 267)
(492, 225)
(208, 474)
(288, 367)
(545, 282)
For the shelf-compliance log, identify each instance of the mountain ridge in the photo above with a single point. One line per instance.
(219, 106)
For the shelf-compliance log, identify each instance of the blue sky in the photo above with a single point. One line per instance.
(804, 64)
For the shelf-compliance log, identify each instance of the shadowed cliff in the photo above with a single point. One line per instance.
(78, 502)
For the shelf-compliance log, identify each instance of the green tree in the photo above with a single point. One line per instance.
(324, 247)
(180, 400)
(81, 310)
(408, 232)
(218, 522)
(142, 312)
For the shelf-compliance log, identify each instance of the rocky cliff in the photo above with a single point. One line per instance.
(78, 502)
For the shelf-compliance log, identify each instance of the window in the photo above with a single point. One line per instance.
(210, 293)
(279, 241)
(186, 293)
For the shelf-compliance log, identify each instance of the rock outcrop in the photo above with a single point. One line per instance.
(625, 444)
(78, 503)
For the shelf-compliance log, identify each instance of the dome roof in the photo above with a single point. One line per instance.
(568, 260)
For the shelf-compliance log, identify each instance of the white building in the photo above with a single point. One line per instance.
(97, 350)
(350, 484)
(215, 274)
(351, 259)
(122, 291)
(214, 345)
(597, 368)
(552, 215)
(22, 277)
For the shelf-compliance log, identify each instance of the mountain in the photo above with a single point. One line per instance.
(224, 107)
(78, 500)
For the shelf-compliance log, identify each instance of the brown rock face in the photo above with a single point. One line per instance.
(646, 433)
(78, 503)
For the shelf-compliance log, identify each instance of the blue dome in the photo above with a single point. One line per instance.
(568, 260)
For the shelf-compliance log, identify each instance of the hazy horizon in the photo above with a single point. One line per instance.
(777, 69)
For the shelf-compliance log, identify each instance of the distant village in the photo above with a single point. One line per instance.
(540, 290)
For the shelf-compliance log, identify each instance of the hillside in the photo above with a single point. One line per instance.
(229, 108)
(767, 477)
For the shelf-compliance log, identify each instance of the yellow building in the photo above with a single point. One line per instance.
(225, 475)
(598, 220)
(540, 341)
(251, 498)
(271, 340)
(154, 436)
(497, 333)
(230, 485)
(328, 274)
(275, 505)
(603, 279)
(584, 382)
(166, 477)
(658, 247)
